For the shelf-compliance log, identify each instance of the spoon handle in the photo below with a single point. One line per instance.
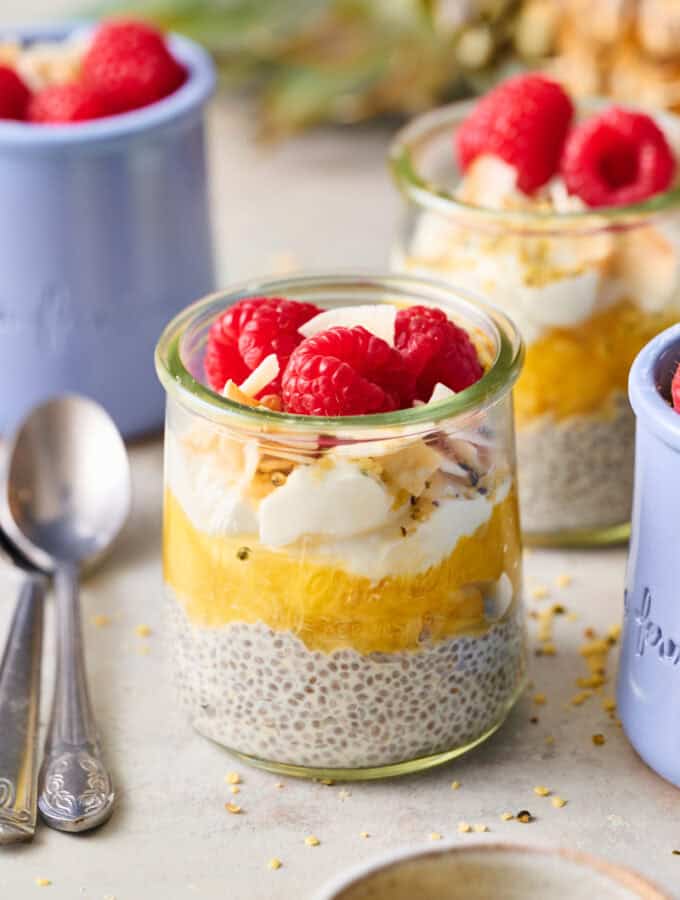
(19, 710)
(75, 786)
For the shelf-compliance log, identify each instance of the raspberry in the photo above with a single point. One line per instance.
(222, 360)
(675, 390)
(524, 121)
(14, 95)
(272, 327)
(248, 332)
(436, 350)
(345, 372)
(65, 103)
(616, 158)
(129, 64)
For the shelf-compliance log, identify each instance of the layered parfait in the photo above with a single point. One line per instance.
(341, 541)
(569, 220)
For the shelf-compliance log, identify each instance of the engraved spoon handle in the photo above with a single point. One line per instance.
(19, 711)
(75, 786)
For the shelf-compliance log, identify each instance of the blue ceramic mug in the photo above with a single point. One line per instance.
(649, 668)
(104, 236)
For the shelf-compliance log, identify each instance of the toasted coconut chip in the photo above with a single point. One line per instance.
(260, 377)
(378, 318)
(234, 393)
(441, 392)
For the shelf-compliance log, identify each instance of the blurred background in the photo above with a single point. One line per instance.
(287, 187)
(313, 61)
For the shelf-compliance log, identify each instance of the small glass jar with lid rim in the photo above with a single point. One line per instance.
(344, 593)
(588, 288)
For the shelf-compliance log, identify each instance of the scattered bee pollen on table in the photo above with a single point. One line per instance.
(464, 828)
(541, 791)
(455, 785)
(539, 699)
(327, 781)
(43, 882)
(233, 808)
(232, 778)
(312, 841)
(434, 836)
(101, 621)
(234, 788)
(274, 863)
(507, 816)
(558, 802)
(540, 592)
(580, 698)
(364, 834)
(563, 581)
(143, 630)
(609, 704)
(479, 829)
(599, 740)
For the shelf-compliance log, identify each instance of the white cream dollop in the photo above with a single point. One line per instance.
(334, 502)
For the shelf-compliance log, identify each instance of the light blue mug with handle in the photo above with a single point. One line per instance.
(104, 236)
(649, 667)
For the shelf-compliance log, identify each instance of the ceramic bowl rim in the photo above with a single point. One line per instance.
(620, 876)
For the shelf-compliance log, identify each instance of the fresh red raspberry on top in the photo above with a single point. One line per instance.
(222, 360)
(345, 372)
(248, 332)
(616, 158)
(524, 121)
(675, 390)
(14, 95)
(272, 327)
(61, 103)
(129, 65)
(436, 350)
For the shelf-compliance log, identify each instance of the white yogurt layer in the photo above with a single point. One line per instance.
(342, 512)
(386, 551)
(543, 281)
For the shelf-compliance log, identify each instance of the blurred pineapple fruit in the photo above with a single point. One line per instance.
(628, 49)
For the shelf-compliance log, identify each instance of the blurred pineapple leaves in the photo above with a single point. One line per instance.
(314, 61)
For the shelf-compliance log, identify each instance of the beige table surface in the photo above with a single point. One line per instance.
(323, 201)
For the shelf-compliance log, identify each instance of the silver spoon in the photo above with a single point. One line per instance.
(67, 497)
(20, 702)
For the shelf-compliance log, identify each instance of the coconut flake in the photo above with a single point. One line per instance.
(441, 392)
(378, 318)
(260, 377)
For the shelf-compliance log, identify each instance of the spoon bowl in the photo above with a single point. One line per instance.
(67, 497)
(68, 483)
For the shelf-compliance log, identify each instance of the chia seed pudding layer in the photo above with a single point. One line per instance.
(577, 473)
(265, 694)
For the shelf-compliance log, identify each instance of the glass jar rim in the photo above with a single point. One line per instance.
(495, 383)
(425, 193)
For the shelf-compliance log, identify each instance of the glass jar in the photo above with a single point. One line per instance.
(344, 592)
(587, 290)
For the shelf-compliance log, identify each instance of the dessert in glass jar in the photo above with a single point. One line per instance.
(569, 220)
(341, 536)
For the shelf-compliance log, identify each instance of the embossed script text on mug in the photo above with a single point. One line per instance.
(648, 633)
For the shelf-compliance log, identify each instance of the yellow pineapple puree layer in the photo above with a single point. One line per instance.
(327, 607)
(577, 371)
